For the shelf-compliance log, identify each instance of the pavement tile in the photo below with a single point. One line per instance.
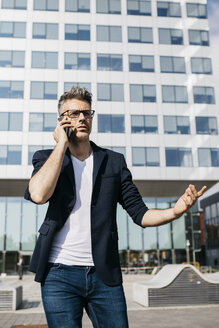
(31, 312)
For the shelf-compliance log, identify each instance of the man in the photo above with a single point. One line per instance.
(76, 255)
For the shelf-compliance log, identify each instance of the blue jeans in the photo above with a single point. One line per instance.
(67, 290)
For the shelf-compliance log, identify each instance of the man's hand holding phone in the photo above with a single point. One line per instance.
(63, 130)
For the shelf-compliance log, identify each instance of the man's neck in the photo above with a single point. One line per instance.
(80, 149)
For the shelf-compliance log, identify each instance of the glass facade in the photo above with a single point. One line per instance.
(179, 157)
(42, 122)
(110, 92)
(14, 4)
(49, 5)
(176, 124)
(140, 34)
(168, 9)
(170, 36)
(45, 31)
(145, 156)
(139, 63)
(206, 125)
(43, 90)
(144, 124)
(42, 59)
(12, 121)
(174, 94)
(198, 38)
(109, 33)
(77, 32)
(79, 61)
(11, 89)
(201, 65)
(10, 154)
(81, 6)
(108, 6)
(139, 7)
(109, 62)
(172, 64)
(142, 93)
(12, 30)
(111, 123)
(10, 58)
(197, 10)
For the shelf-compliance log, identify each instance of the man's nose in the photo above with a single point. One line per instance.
(81, 116)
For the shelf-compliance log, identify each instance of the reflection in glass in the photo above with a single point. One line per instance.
(13, 227)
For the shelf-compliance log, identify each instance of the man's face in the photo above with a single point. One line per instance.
(80, 123)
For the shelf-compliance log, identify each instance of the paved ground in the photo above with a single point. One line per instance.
(31, 311)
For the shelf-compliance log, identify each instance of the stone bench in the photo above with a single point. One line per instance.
(178, 285)
(10, 297)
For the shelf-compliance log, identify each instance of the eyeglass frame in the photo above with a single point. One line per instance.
(92, 112)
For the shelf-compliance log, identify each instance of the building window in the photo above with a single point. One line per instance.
(77, 32)
(14, 4)
(201, 65)
(142, 93)
(179, 157)
(198, 38)
(111, 123)
(12, 58)
(168, 9)
(81, 6)
(12, 30)
(208, 157)
(170, 36)
(109, 62)
(10, 155)
(108, 6)
(120, 150)
(49, 5)
(139, 63)
(110, 92)
(42, 59)
(172, 64)
(140, 34)
(144, 124)
(11, 121)
(176, 124)
(145, 156)
(42, 122)
(139, 7)
(79, 61)
(45, 31)
(32, 149)
(11, 89)
(206, 125)
(69, 85)
(203, 95)
(196, 10)
(109, 33)
(43, 90)
(174, 94)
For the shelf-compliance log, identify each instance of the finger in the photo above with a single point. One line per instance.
(201, 192)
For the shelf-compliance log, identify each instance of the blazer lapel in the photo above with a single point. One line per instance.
(67, 165)
(99, 156)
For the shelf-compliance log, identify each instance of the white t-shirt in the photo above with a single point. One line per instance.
(72, 244)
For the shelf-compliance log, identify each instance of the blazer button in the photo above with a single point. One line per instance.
(92, 205)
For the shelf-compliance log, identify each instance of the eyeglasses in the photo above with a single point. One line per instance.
(76, 113)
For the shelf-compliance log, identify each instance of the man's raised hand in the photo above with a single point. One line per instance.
(187, 200)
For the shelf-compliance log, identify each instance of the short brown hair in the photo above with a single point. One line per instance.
(75, 93)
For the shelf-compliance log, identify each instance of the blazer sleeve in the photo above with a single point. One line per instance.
(39, 158)
(130, 198)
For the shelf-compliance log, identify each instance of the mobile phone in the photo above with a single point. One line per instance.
(68, 130)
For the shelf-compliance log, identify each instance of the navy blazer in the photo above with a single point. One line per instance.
(112, 183)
